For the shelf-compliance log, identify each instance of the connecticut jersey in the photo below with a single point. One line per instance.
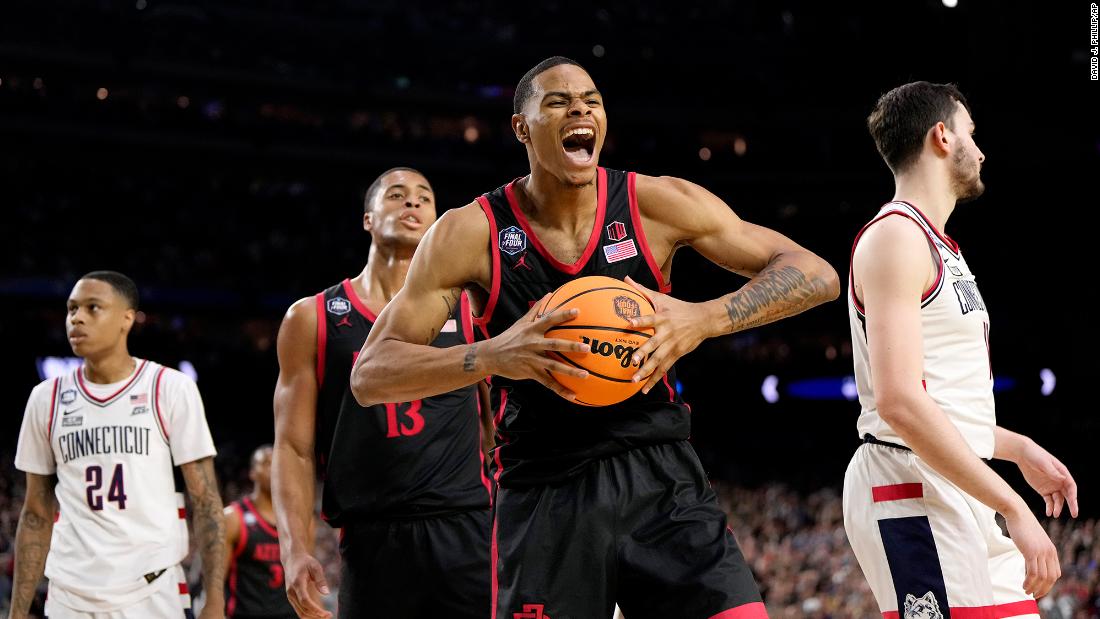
(112, 448)
(958, 373)
(543, 438)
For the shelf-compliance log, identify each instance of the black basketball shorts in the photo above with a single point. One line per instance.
(417, 568)
(642, 529)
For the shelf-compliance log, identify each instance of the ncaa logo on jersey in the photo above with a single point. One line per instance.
(512, 240)
(338, 306)
(68, 396)
(616, 231)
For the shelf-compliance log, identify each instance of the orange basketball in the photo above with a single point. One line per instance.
(606, 306)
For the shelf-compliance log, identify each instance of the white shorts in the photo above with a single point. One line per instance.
(167, 600)
(925, 545)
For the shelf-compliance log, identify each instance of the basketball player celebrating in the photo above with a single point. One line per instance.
(919, 502)
(98, 445)
(605, 505)
(405, 480)
(255, 588)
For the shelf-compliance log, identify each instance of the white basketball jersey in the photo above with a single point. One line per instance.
(111, 448)
(958, 373)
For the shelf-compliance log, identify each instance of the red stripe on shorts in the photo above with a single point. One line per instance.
(753, 610)
(897, 492)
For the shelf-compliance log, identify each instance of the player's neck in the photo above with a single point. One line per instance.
(384, 274)
(109, 368)
(544, 198)
(927, 191)
(262, 503)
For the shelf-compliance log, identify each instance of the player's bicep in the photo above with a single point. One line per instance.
(39, 498)
(890, 267)
(295, 399)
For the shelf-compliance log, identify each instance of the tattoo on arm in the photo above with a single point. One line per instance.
(32, 544)
(451, 301)
(470, 360)
(773, 294)
(207, 521)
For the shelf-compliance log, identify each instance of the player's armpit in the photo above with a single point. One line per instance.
(207, 520)
(786, 279)
(397, 363)
(32, 541)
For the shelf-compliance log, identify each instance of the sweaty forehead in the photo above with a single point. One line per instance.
(406, 178)
(87, 289)
(564, 77)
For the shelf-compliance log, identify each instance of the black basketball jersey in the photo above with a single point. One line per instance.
(255, 586)
(392, 460)
(543, 438)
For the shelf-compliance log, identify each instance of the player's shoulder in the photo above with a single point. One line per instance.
(465, 224)
(171, 380)
(44, 391)
(677, 203)
(898, 234)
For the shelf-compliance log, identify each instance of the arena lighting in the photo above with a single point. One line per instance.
(770, 389)
(704, 153)
(101, 94)
(840, 388)
(52, 367)
(1049, 381)
(598, 51)
(951, 3)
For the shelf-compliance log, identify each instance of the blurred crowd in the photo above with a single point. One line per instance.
(794, 542)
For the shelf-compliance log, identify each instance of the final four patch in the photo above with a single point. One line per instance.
(512, 240)
(338, 306)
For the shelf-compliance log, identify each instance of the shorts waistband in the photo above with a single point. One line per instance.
(870, 438)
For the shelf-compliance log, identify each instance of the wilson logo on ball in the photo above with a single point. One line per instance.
(607, 349)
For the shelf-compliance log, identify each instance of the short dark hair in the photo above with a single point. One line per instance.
(524, 90)
(376, 186)
(124, 286)
(903, 116)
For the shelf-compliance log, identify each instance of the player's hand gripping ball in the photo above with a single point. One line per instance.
(606, 306)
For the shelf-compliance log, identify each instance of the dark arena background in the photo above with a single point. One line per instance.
(217, 151)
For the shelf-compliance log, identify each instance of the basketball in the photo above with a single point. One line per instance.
(606, 306)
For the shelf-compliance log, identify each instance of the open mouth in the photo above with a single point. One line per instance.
(410, 219)
(579, 143)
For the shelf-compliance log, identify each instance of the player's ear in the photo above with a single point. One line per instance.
(939, 138)
(128, 318)
(367, 223)
(519, 126)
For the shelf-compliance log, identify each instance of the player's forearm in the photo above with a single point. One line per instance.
(32, 544)
(294, 491)
(792, 283)
(209, 526)
(926, 429)
(1008, 445)
(395, 371)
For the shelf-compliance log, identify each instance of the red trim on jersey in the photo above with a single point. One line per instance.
(997, 611)
(264, 524)
(752, 610)
(639, 231)
(593, 238)
(943, 237)
(53, 409)
(183, 588)
(156, 403)
(322, 337)
(358, 303)
(231, 603)
(88, 394)
(242, 540)
(897, 492)
(493, 570)
(481, 453)
(494, 252)
(851, 259)
(466, 314)
(182, 513)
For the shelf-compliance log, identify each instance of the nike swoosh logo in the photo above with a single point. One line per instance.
(72, 411)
